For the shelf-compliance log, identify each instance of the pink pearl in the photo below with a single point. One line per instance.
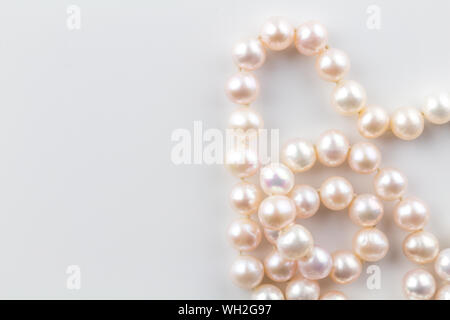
(316, 265)
(242, 163)
(370, 244)
(419, 284)
(242, 88)
(336, 193)
(277, 34)
(390, 184)
(276, 212)
(311, 38)
(249, 55)
(302, 289)
(346, 267)
(421, 247)
(245, 234)
(245, 198)
(332, 65)
(278, 268)
(366, 210)
(364, 157)
(411, 214)
(276, 178)
(247, 272)
(332, 148)
(306, 199)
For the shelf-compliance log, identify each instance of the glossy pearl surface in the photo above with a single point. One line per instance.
(334, 295)
(316, 264)
(294, 242)
(421, 247)
(311, 38)
(249, 54)
(267, 292)
(364, 157)
(366, 210)
(373, 122)
(271, 235)
(370, 244)
(332, 65)
(299, 155)
(302, 289)
(306, 199)
(407, 123)
(336, 193)
(276, 212)
(443, 293)
(411, 214)
(245, 118)
(245, 234)
(245, 198)
(242, 88)
(277, 34)
(346, 267)
(442, 265)
(390, 184)
(348, 97)
(419, 284)
(437, 109)
(242, 162)
(276, 179)
(278, 268)
(332, 148)
(247, 272)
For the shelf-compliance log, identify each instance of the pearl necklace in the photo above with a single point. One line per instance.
(295, 258)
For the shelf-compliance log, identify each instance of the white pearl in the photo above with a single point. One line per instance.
(306, 199)
(407, 123)
(332, 148)
(277, 34)
(247, 272)
(346, 267)
(334, 295)
(443, 293)
(411, 214)
(245, 118)
(442, 264)
(364, 157)
(242, 162)
(316, 265)
(311, 38)
(332, 65)
(349, 97)
(366, 210)
(245, 234)
(267, 292)
(302, 289)
(370, 244)
(242, 88)
(271, 235)
(276, 178)
(336, 193)
(373, 122)
(299, 155)
(437, 109)
(419, 284)
(278, 268)
(294, 242)
(421, 247)
(390, 184)
(249, 54)
(245, 198)
(276, 212)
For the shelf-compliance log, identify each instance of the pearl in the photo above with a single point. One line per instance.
(299, 155)
(411, 214)
(278, 268)
(247, 272)
(271, 235)
(276, 178)
(306, 199)
(443, 293)
(276, 212)
(332, 65)
(302, 289)
(242, 162)
(294, 242)
(242, 88)
(349, 97)
(370, 244)
(442, 264)
(437, 109)
(249, 55)
(419, 284)
(245, 118)
(390, 184)
(277, 34)
(311, 38)
(245, 234)
(267, 292)
(316, 265)
(407, 123)
(332, 148)
(336, 193)
(373, 122)
(346, 267)
(334, 295)
(245, 198)
(421, 247)
(364, 157)
(366, 210)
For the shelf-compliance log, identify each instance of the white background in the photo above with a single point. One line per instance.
(86, 119)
